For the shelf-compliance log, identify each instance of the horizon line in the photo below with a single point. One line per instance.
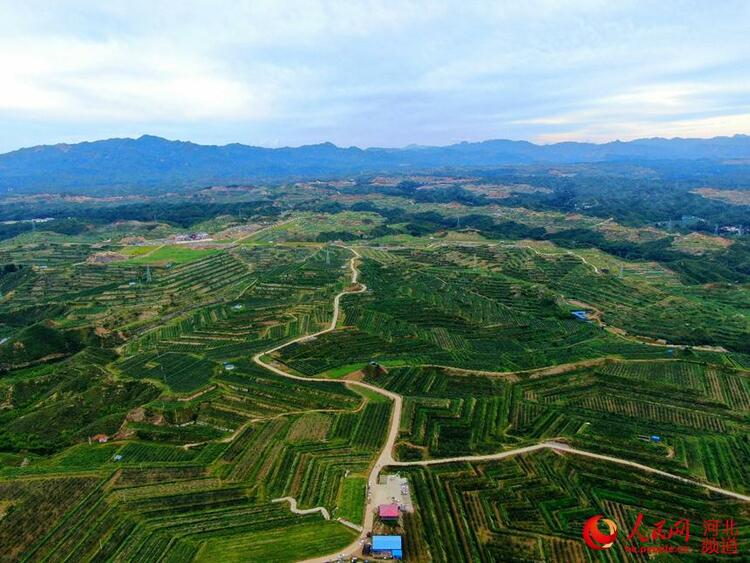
(374, 147)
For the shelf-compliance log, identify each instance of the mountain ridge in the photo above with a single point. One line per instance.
(150, 161)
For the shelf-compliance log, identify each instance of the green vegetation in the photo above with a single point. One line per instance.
(352, 499)
(111, 333)
(181, 372)
(281, 545)
(508, 309)
(172, 254)
(34, 343)
(532, 507)
(701, 414)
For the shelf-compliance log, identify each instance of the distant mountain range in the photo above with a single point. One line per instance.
(151, 162)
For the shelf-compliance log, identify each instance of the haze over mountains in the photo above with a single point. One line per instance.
(151, 161)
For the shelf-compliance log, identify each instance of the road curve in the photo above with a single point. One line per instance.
(293, 507)
(386, 455)
(385, 458)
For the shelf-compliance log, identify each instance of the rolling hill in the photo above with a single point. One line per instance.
(150, 161)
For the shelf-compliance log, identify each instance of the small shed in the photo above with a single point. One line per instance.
(387, 546)
(101, 438)
(389, 511)
(580, 315)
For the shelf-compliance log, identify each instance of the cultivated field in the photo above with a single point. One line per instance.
(135, 424)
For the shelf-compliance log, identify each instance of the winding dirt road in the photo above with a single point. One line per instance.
(560, 447)
(385, 458)
(293, 507)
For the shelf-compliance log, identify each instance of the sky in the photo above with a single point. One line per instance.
(287, 72)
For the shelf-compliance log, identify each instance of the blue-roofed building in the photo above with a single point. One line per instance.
(580, 315)
(387, 546)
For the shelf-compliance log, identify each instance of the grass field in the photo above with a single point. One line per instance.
(171, 254)
(283, 545)
(352, 499)
(136, 251)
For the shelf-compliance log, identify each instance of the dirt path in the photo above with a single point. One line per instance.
(150, 252)
(554, 254)
(472, 458)
(247, 236)
(386, 459)
(533, 373)
(348, 524)
(293, 507)
(565, 448)
(197, 394)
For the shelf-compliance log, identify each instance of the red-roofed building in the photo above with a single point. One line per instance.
(389, 511)
(101, 438)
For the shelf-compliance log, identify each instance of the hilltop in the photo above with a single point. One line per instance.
(149, 161)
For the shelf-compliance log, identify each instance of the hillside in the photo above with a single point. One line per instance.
(237, 396)
(149, 161)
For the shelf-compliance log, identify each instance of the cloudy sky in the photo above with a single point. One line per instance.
(287, 72)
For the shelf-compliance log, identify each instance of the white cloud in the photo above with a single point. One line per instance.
(69, 78)
(371, 72)
(726, 125)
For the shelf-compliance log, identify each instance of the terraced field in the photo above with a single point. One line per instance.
(533, 506)
(145, 501)
(200, 440)
(700, 414)
(500, 309)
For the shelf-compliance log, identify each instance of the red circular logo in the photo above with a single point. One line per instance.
(594, 537)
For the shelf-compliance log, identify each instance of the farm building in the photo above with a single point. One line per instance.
(580, 315)
(387, 546)
(652, 438)
(101, 438)
(389, 511)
